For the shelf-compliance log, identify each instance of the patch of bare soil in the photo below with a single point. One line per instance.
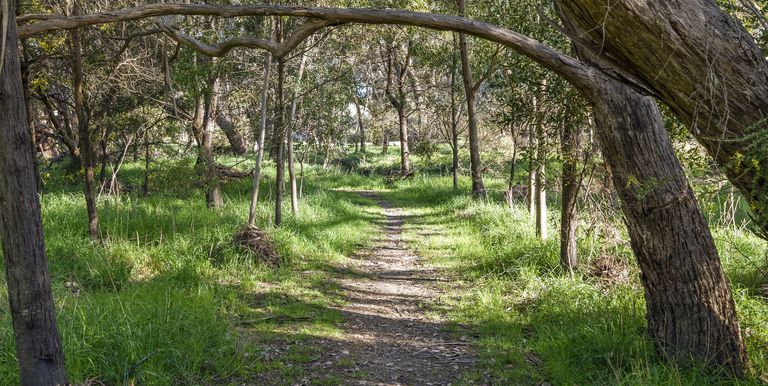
(389, 338)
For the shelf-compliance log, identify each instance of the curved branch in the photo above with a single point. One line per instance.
(220, 49)
(576, 72)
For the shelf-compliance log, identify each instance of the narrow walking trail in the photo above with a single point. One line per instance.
(389, 338)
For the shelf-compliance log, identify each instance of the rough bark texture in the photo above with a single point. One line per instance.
(690, 310)
(700, 62)
(38, 346)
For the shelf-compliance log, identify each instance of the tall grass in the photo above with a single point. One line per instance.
(164, 298)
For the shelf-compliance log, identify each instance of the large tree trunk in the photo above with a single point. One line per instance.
(700, 62)
(690, 310)
(478, 188)
(86, 146)
(38, 346)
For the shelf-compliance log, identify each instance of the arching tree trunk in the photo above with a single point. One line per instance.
(700, 62)
(38, 345)
(690, 309)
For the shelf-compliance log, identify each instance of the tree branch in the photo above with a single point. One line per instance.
(576, 72)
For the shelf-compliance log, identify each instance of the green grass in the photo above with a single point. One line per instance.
(167, 299)
(536, 324)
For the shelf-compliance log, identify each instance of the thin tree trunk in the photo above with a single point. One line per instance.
(509, 195)
(145, 185)
(260, 141)
(541, 188)
(38, 345)
(454, 119)
(213, 197)
(569, 143)
(405, 153)
(279, 141)
(532, 168)
(291, 154)
(385, 142)
(360, 126)
(86, 147)
(475, 166)
(478, 187)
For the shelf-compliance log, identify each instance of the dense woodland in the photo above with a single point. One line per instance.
(384, 192)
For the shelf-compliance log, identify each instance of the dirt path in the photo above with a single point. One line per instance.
(388, 337)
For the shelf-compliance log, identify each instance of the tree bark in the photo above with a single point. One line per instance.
(475, 166)
(279, 143)
(396, 72)
(570, 182)
(260, 137)
(86, 146)
(38, 345)
(236, 141)
(532, 168)
(360, 126)
(704, 65)
(690, 309)
(541, 188)
(454, 119)
(289, 134)
(213, 197)
(147, 154)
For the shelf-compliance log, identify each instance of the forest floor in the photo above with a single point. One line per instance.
(389, 334)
